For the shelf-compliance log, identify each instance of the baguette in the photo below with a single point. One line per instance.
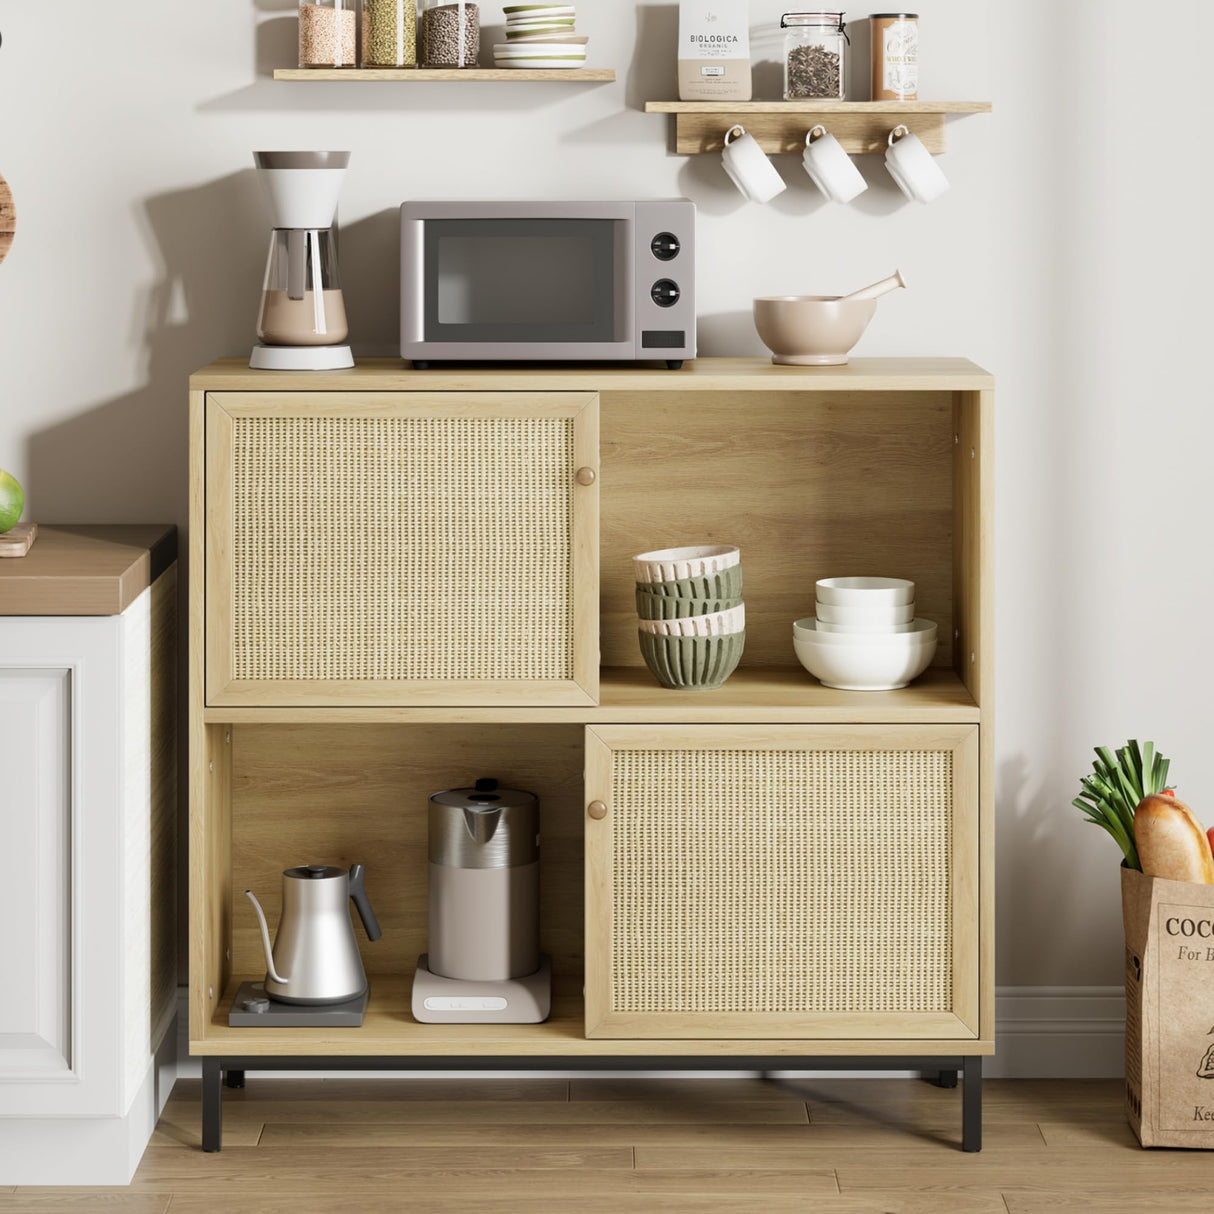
(1171, 842)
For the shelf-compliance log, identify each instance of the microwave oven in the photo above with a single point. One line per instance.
(547, 281)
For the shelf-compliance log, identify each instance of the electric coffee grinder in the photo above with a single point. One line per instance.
(484, 963)
(302, 323)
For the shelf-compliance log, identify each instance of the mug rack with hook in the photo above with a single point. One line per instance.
(780, 126)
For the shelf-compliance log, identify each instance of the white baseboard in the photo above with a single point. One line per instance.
(1041, 1032)
(1058, 1032)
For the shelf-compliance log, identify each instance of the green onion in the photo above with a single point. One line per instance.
(1117, 787)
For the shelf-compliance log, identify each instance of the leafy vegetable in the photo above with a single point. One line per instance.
(1115, 788)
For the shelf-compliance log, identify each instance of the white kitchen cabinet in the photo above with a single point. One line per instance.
(88, 798)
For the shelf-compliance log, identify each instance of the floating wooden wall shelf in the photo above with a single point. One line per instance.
(780, 126)
(467, 75)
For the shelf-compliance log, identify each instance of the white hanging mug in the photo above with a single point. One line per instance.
(749, 168)
(912, 166)
(830, 167)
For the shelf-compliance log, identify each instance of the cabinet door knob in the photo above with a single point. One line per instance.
(586, 476)
(597, 810)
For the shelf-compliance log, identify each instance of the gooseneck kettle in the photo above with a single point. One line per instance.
(315, 955)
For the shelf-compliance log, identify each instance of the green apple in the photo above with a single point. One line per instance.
(12, 501)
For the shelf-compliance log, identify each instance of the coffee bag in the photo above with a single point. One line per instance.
(714, 50)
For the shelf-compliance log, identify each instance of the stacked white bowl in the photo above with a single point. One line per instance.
(540, 36)
(865, 636)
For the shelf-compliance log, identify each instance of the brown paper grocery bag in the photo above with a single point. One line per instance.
(1169, 1013)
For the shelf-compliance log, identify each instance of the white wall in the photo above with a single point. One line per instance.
(1068, 258)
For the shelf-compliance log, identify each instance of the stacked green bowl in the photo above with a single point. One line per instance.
(690, 616)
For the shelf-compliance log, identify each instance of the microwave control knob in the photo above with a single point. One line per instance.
(665, 246)
(665, 293)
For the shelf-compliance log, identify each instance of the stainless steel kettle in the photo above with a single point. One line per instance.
(315, 955)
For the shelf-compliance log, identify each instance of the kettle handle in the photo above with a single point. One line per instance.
(358, 895)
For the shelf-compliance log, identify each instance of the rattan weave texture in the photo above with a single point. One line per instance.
(404, 548)
(781, 881)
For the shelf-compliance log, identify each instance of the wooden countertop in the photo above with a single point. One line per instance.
(86, 569)
(698, 375)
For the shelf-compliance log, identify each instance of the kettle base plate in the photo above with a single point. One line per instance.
(439, 1000)
(293, 1015)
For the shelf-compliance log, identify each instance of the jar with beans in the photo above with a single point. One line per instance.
(389, 33)
(327, 33)
(451, 33)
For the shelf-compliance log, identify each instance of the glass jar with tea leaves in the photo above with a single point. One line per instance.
(814, 46)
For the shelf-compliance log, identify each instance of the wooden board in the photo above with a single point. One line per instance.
(781, 126)
(697, 375)
(17, 540)
(86, 569)
(432, 75)
(8, 219)
(753, 695)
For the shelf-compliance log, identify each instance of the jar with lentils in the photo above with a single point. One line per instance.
(814, 55)
(327, 33)
(451, 33)
(389, 33)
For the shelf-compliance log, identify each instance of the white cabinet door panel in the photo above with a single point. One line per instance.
(35, 898)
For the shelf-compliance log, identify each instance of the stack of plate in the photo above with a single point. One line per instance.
(865, 636)
(691, 620)
(540, 36)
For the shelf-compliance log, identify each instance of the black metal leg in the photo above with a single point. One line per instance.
(971, 1104)
(235, 1079)
(212, 1104)
(945, 1079)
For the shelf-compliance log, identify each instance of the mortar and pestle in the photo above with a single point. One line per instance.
(818, 330)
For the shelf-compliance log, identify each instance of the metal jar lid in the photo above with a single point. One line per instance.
(484, 827)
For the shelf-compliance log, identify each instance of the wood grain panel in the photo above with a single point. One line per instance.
(8, 219)
(347, 794)
(809, 486)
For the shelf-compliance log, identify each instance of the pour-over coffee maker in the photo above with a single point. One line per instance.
(302, 323)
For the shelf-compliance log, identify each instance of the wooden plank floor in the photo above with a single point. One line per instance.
(618, 1146)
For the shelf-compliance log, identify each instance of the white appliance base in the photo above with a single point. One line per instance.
(438, 1000)
(301, 358)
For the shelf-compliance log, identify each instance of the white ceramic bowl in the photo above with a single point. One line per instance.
(716, 624)
(918, 631)
(866, 629)
(877, 615)
(675, 564)
(890, 663)
(865, 591)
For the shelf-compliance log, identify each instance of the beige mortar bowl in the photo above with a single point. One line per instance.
(811, 330)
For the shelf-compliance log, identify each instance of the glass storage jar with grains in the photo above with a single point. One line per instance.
(327, 33)
(814, 59)
(451, 33)
(389, 33)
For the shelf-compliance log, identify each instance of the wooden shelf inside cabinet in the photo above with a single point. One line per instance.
(467, 75)
(389, 1031)
(630, 695)
(780, 126)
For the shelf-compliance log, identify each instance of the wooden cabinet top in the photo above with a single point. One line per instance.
(86, 569)
(698, 375)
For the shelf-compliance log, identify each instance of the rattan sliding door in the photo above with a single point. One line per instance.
(375, 549)
(782, 881)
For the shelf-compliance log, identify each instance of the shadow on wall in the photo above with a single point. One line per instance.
(124, 459)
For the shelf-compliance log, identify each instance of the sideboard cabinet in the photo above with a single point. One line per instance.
(404, 580)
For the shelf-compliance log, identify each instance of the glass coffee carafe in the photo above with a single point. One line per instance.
(301, 299)
(302, 323)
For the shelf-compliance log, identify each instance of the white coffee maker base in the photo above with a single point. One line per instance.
(438, 1000)
(301, 358)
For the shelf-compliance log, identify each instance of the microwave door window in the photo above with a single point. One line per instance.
(521, 281)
